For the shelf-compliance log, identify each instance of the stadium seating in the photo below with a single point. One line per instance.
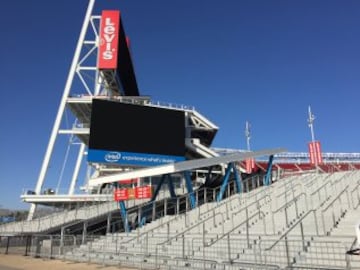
(303, 222)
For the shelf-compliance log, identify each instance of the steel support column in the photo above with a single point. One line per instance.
(77, 168)
(237, 179)
(152, 201)
(190, 189)
(124, 216)
(158, 187)
(84, 232)
(171, 186)
(225, 183)
(267, 179)
(208, 176)
(108, 222)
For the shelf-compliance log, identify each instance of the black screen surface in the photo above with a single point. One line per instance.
(124, 127)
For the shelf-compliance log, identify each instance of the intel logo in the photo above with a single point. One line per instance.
(112, 157)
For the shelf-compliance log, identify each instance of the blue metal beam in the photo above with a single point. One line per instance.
(158, 187)
(267, 180)
(124, 216)
(145, 211)
(225, 183)
(149, 206)
(190, 189)
(237, 179)
(171, 186)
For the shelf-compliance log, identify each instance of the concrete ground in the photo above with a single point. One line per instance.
(17, 262)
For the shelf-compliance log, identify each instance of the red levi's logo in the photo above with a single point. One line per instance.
(109, 39)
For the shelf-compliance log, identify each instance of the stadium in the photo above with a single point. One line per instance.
(168, 199)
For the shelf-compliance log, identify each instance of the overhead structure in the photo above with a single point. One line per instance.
(102, 76)
(110, 133)
(181, 166)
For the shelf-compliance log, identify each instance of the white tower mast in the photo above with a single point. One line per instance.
(311, 124)
(75, 69)
(247, 135)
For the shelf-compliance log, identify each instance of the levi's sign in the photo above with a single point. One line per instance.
(109, 39)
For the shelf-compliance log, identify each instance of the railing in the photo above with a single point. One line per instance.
(57, 219)
(315, 254)
(46, 246)
(259, 214)
(286, 234)
(181, 236)
(186, 249)
(287, 205)
(171, 105)
(227, 203)
(317, 191)
(199, 220)
(333, 214)
(356, 188)
(87, 211)
(200, 249)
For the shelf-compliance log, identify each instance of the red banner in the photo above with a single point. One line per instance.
(250, 165)
(109, 39)
(121, 194)
(144, 192)
(129, 181)
(315, 153)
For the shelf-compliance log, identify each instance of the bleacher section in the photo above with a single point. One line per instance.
(74, 218)
(303, 222)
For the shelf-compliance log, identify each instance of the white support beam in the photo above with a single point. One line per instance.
(181, 166)
(75, 131)
(77, 169)
(62, 105)
(67, 198)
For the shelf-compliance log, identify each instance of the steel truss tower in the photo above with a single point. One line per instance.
(88, 84)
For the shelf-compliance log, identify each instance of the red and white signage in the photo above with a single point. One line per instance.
(250, 165)
(315, 153)
(121, 194)
(144, 192)
(109, 39)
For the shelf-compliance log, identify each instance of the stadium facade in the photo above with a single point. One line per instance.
(203, 207)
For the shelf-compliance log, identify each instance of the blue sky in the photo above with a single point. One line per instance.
(261, 61)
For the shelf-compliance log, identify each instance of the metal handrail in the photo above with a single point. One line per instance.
(201, 214)
(56, 219)
(352, 191)
(331, 204)
(220, 204)
(288, 189)
(289, 203)
(334, 200)
(171, 220)
(192, 227)
(322, 186)
(239, 225)
(292, 227)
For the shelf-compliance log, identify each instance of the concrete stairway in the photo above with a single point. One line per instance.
(286, 224)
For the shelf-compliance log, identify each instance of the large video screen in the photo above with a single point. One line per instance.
(133, 134)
